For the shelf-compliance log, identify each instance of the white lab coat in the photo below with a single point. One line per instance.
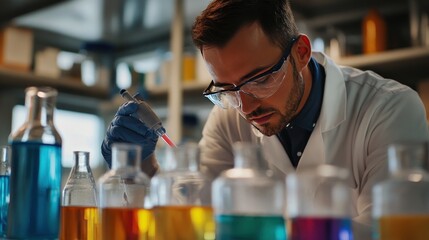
(362, 113)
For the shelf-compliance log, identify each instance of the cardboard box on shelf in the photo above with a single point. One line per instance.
(16, 48)
(46, 63)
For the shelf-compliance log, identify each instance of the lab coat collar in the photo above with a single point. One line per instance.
(332, 114)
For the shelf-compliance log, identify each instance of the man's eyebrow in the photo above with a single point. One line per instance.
(252, 73)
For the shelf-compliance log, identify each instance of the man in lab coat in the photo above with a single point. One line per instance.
(269, 88)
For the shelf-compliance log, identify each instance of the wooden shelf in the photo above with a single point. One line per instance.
(192, 86)
(407, 65)
(18, 79)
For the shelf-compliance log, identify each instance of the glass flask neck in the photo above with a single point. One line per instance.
(125, 156)
(183, 158)
(248, 156)
(406, 158)
(40, 103)
(80, 189)
(81, 162)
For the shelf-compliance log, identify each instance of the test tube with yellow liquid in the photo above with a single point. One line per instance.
(181, 210)
(122, 193)
(401, 202)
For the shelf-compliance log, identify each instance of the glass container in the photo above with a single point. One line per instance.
(79, 213)
(35, 181)
(248, 201)
(4, 188)
(180, 208)
(122, 193)
(401, 202)
(374, 35)
(318, 204)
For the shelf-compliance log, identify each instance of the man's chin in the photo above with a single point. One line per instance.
(266, 129)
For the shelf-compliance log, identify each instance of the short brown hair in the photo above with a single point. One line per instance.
(218, 23)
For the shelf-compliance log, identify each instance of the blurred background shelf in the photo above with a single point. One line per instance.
(17, 79)
(407, 65)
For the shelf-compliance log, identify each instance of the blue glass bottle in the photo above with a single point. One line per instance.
(35, 181)
(4, 188)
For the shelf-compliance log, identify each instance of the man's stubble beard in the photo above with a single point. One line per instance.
(291, 105)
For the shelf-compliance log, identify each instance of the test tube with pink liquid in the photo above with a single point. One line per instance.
(146, 115)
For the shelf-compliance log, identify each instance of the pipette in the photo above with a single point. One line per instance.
(147, 116)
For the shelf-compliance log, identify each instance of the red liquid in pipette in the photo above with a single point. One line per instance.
(168, 140)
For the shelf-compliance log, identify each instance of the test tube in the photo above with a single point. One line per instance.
(147, 116)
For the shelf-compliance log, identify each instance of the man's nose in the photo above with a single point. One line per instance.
(248, 102)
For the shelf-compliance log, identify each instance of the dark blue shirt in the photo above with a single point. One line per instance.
(295, 135)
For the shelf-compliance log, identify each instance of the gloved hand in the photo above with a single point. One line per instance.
(125, 127)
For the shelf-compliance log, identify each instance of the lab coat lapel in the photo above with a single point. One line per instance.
(332, 114)
(274, 152)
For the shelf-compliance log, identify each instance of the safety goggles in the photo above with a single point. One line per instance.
(261, 86)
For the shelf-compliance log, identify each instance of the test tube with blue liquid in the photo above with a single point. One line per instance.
(147, 116)
(4, 188)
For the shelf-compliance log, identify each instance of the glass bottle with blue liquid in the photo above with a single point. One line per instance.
(248, 201)
(35, 181)
(4, 188)
(319, 204)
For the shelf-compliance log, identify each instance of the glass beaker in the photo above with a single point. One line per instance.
(4, 188)
(401, 202)
(35, 180)
(180, 209)
(319, 204)
(122, 193)
(248, 202)
(79, 213)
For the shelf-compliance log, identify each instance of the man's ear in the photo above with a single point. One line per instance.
(302, 51)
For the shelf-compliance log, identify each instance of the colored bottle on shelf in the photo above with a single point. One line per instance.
(79, 213)
(400, 203)
(122, 195)
(248, 202)
(180, 208)
(374, 35)
(35, 182)
(4, 187)
(319, 204)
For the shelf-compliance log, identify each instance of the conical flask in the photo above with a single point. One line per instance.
(248, 202)
(122, 193)
(35, 182)
(179, 207)
(79, 214)
(401, 202)
(4, 187)
(319, 204)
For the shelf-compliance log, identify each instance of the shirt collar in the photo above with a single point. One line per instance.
(309, 114)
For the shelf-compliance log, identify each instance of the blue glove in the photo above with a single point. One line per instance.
(125, 127)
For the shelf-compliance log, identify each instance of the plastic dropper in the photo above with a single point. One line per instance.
(147, 116)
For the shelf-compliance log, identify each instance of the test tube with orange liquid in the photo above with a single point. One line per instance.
(122, 193)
